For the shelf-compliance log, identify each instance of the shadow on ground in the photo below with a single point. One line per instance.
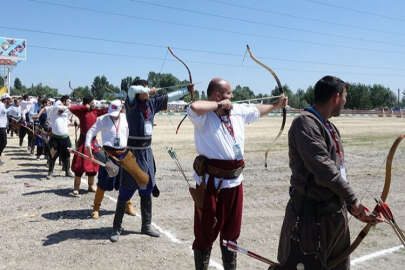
(32, 170)
(23, 158)
(74, 214)
(18, 154)
(17, 151)
(64, 192)
(14, 147)
(30, 176)
(82, 234)
(29, 164)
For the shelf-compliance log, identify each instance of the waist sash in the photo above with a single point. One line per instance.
(219, 168)
(139, 142)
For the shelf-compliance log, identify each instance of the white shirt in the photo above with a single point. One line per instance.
(34, 109)
(59, 122)
(26, 107)
(14, 111)
(213, 140)
(3, 115)
(109, 131)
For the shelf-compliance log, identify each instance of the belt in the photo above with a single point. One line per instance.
(60, 136)
(225, 174)
(139, 143)
(225, 169)
(114, 151)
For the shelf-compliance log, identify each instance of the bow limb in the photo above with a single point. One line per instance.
(284, 113)
(388, 167)
(190, 79)
(185, 65)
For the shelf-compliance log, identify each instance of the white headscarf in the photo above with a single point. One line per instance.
(137, 89)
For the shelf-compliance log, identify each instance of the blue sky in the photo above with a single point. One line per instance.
(359, 41)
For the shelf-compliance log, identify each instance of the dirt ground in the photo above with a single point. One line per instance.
(42, 226)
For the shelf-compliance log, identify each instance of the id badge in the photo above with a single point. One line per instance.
(237, 151)
(343, 172)
(148, 128)
(116, 141)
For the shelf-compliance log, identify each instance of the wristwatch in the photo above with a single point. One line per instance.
(219, 105)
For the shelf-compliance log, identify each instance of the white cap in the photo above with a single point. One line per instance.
(139, 89)
(115, 108)
(4, 96)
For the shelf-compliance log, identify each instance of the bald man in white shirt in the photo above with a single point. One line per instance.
(219, 140)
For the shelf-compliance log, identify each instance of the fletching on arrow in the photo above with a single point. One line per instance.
(172, 153)
(384, 209)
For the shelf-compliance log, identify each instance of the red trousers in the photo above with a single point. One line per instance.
(81, 165)
(220, 214)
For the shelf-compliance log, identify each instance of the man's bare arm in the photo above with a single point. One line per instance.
(203, 106)
(266, 108)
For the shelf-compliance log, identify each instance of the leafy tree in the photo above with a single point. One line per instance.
(309, 96)
(242, 93)
(126, 83)
(18, 84)
(187, 98)
(17, 91)
(358, 97)
(40, 90)
(277, 91)
(300, 97)
(403, 98)
(170, 83)
(286, 89)
(79, 92)
(382, 96)
(164, 80)
(18, 88)
(99, 87)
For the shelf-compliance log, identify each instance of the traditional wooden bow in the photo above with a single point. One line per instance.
(284, 113)
(332, 263)
(191, 82)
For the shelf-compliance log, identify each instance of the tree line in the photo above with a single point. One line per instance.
(359, 96)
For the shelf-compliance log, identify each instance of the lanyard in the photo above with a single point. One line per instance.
(333, 135)
(116, 126)
(228, 125)
(145, 109)
(330, 131)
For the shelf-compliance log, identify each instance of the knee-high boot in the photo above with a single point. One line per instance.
(146, 214)
(76, 185)
(66, 167)
(117, 228)
(228, 258)
(202, 258)
(98, 198)
(51, 166)
(90, 181)
(21, 136)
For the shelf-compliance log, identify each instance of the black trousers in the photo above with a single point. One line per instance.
(3, 139)
(23, 132)
(61, 146)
